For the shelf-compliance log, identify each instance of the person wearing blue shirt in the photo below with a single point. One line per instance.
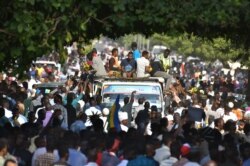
(136, 52)
(128, 66)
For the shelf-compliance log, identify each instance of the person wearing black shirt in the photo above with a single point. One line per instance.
(142, 118)
(158, 71)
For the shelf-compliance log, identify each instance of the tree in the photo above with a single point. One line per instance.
(31, 28)
(190, 45)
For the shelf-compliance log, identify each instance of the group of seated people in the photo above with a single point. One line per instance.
(129, 67)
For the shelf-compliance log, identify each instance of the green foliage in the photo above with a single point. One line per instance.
(31, 28)
(190, 45)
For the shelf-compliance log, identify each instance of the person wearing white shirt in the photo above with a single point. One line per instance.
(17, 119)
(92, 110)
(123, 117)
(5, 105)
(104, 118)
(8, 113)
(220, 111)
(123, 163)
(59, 105)
(143, 65)
(229, 116)
(139, 107)
(163, 152)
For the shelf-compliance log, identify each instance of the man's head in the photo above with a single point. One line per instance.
(90, 56)
(115, 52)
(154, 111)
(147, 105)
(219, 123)
(31, 117)
(166, 53)
(63, 151)
(167, 139)
(10, 162)
(5, 103)
(103, 55)
(41, 114)
(145, 54)
(94, 52)
(130, 55)
(140, 100)
(92, 102)
(123, 117)
(134, 45)
(126, 100)
(58, 99)
(15, 112)
(3, 147)
(70, 97)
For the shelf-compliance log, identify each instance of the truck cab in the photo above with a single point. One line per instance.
(148, 88)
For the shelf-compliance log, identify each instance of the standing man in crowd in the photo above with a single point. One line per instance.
(136, 52)
(128, 104)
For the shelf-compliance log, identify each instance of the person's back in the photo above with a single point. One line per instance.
(156, 66)
(142, 118)
(143, 65)
(195, 113)
(75, 157)
(71, 111)
(109, 159)
(48, 157)
(98, 66)
(128, 104)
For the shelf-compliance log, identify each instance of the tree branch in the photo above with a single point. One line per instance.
(6, 32)
(103, 21)
(53, 29)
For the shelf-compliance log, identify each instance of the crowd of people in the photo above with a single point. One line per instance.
(204, 122)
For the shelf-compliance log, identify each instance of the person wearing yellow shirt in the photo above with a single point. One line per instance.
(164, 64)
(165, 60)
(39, 70)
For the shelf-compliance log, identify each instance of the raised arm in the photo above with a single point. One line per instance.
(132, 98)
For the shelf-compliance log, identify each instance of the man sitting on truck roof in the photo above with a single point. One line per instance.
(114, 65)
(166, 60)
(97, 64)
(159, 70)
(128, 66)
(143, 65)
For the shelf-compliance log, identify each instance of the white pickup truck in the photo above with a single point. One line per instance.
(148, 88)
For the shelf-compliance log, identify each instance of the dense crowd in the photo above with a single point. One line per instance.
(204, 122)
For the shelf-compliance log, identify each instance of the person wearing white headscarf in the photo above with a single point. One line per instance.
(123, 117)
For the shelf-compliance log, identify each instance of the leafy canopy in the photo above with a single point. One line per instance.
(31, 28)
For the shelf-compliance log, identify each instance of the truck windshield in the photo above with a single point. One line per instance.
(149, 92)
